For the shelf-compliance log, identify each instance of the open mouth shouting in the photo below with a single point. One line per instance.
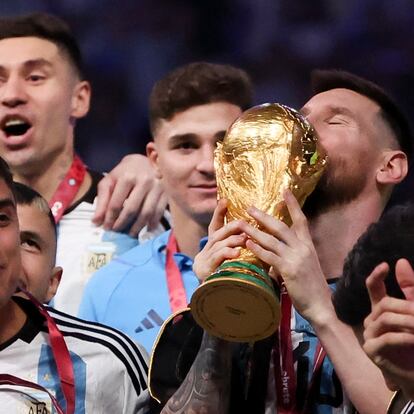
(15, 126)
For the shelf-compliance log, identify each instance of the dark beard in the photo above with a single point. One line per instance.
(336, 187)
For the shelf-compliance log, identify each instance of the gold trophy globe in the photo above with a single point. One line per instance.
(268, 149)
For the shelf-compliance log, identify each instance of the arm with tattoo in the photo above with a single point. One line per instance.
(206, 388)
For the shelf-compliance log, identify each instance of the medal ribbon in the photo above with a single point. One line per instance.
(285, 376)
(68, 188)
(62, 360)
(175, 285)
(284, 369)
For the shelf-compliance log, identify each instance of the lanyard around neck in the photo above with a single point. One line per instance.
(285, 376)
(67, 188)
(175, 285)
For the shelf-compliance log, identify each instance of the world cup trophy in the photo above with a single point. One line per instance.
(268, 149)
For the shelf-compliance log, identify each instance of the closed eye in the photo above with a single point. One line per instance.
(339, 117)
(336, 120)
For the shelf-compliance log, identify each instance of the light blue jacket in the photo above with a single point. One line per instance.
(130, 293)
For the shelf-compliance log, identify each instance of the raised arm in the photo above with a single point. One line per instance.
(291, 252)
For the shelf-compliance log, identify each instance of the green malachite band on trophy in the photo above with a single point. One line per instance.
(244, 268)
(245, 265)
(242, 276)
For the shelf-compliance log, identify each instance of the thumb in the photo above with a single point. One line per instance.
(217, 221)
(405, 278)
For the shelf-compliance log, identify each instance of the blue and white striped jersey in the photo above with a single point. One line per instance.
(110, 369)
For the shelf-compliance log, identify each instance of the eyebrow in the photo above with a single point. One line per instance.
(7, 202)
(340, 110)
(182, 137)
(33, 64)
(177, 138)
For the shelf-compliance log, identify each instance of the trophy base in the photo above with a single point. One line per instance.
(237, 303)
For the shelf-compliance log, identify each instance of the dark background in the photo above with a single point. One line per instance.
(128, 45)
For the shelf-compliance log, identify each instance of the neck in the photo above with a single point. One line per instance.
(12, 319)
(187, 231)
(46, 180)
(335, 232)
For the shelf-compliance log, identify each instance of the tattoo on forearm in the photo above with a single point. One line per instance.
(206, 388)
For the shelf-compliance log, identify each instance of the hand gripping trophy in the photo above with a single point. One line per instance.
(268, 149)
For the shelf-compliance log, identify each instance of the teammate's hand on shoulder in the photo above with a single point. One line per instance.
(130, 197)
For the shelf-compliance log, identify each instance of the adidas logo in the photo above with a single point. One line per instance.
(151, 321)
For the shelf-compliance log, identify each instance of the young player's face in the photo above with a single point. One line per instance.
(38, 248)
(182, 153)
(40, 99)
(10, 266)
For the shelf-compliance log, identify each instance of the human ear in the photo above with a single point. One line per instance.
(81, 99)
(152, 154)
(394, 167)
(54, 282)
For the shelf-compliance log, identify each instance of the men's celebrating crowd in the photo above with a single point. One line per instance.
(77, 243)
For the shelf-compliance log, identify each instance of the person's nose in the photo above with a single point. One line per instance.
(206, 160)
(12, 92)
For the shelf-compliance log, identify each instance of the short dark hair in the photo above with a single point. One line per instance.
(324, 80)
(48, 27)
(26, 196)
(198, 83)
(389, 239)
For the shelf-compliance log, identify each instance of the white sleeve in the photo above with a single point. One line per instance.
(133, 402)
